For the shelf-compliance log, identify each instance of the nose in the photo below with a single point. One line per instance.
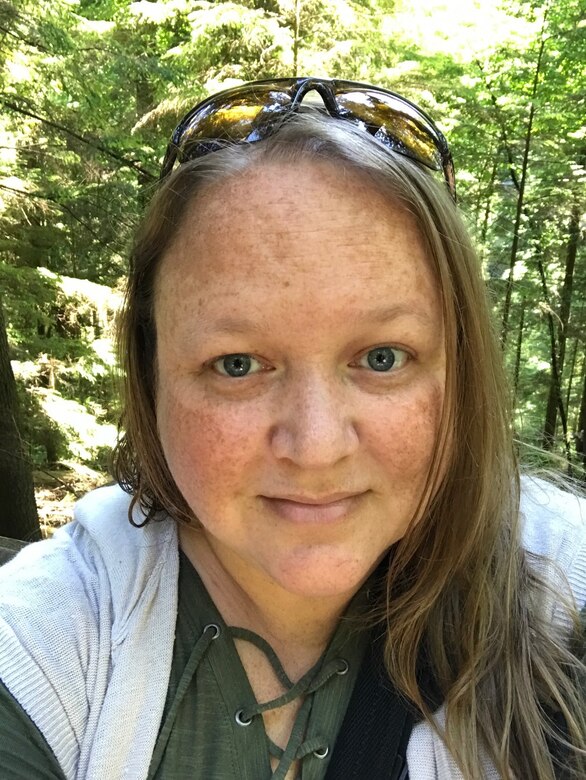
(315, 427)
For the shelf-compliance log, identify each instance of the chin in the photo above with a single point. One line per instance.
(321, 574)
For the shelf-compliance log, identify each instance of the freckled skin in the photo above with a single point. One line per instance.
(305, 253)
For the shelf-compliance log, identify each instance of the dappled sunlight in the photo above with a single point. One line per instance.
(461, 29)
(86, 436)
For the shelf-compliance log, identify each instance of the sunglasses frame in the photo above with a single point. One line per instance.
(296, 89)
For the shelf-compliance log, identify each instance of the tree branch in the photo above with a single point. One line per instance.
(22, 39)
(60, 205)
(127, 163)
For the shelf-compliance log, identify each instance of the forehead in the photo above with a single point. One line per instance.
(295, 236)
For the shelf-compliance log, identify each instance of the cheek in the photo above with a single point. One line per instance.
(206, 448)
(406, 432)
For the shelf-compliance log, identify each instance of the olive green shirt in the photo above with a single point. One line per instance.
(201, 735)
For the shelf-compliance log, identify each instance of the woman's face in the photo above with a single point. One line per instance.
(301, 372)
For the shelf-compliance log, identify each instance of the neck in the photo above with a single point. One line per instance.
(296, 626)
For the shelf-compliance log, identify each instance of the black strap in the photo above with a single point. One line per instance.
(372, 741)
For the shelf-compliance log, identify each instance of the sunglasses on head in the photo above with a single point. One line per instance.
(254, 111)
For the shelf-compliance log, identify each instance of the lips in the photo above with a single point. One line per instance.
(320, 510)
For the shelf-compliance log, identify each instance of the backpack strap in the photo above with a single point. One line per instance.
(372, 741)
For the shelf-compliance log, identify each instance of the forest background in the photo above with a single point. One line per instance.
(90, 91)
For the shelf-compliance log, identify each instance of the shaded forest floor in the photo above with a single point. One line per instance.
(57, 490)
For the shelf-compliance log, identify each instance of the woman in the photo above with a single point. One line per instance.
(318, 456)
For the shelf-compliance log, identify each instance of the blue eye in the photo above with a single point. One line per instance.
(384, 358)
(235, 365)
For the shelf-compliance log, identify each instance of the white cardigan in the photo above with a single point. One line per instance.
(87, 625)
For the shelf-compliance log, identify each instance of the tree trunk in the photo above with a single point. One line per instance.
(518, 352)
(18, 511)
(555, 399)
(487, 210)
(521, 195)
(571, 374)
(581, 433)
(547, 443)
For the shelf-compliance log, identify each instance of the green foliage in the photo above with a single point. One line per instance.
(61, 334)
(91, 89)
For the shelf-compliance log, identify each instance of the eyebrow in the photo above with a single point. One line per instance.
(388, 313)
(238, 325)
(379, 315)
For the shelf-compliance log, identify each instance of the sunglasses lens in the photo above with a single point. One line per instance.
(242, 117)
(395, 123)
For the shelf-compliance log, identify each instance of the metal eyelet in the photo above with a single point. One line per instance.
(321, 753)
(215, 627)
(345, 667)
(239, 719)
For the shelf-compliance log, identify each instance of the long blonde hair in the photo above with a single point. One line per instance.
(461, 594)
